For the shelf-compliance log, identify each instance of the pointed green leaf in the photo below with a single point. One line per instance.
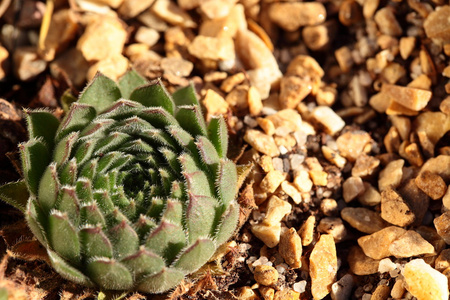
(101, 182)
(186, 96)
(226, 182)
(68, 173)
(84, 190)
(143, 226)
(84, 151)
(109, 274)
(166, 240)
(158, 117)
(171, 158)
(161, 282)
(115, 218)
(143, 262)
(122, 109)
(156, 208)
(89, 169)
(177, 190)
(137, 147)
(227, 224)
(166, 178)
(42, 124)
(96, 129)
(208, 152)
(196, 255)
(64, 148)
(129, 82)
(132, 126)
(111, 143)
(35, 159)
(120, 163)
(79, 116)
(218, 135)
(67, 271)
(173, 211)
(153, 94)
(200, 216)
(100, 93)
(68, 203)
(91, 214)
(15, 194)
(67, 99)
(36, 221)
(107, 160)
(198, 184)
(124, 240)
(191, 119)
(104, 201)
(63, 237)
(159, 137)
(94, 243)
(49, 188)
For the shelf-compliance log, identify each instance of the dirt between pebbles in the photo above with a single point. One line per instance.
(342, 107)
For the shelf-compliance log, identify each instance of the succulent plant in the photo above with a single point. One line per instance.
(132, 190)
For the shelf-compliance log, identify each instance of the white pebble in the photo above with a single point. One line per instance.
(277, 164)
(299, 287)
(386, 265)
(268, 111)
(282, 149)
(250, 122)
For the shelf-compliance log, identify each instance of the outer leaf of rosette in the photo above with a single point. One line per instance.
(69, 172)
(197, 182)
(68, 202)
(186, 96)
(36, 221)
(100, 93)
(84, 151)
(124, 239)
(64, 147)
(94, 243)
(196, 255)
(208, 154)
(166, 240)
(200, 216)
(166, 279)
(67, 99)
(41, 123)
(79, 116)
(173, 211)
(112, 142)
(63, 237)
(218, 135)
(226, 182)
(90, 213)
(15, 194)
(109, 274)
(121, 109)
(129, 82)
(191, 119)
(228, 223)
(83, 187)
(159, 117)
(143, 262)
(49, 188)
(96, 129)
(68, 271)
(35, 159)
(153, 94)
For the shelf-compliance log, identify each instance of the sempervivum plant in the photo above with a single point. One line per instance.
(131, 190)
